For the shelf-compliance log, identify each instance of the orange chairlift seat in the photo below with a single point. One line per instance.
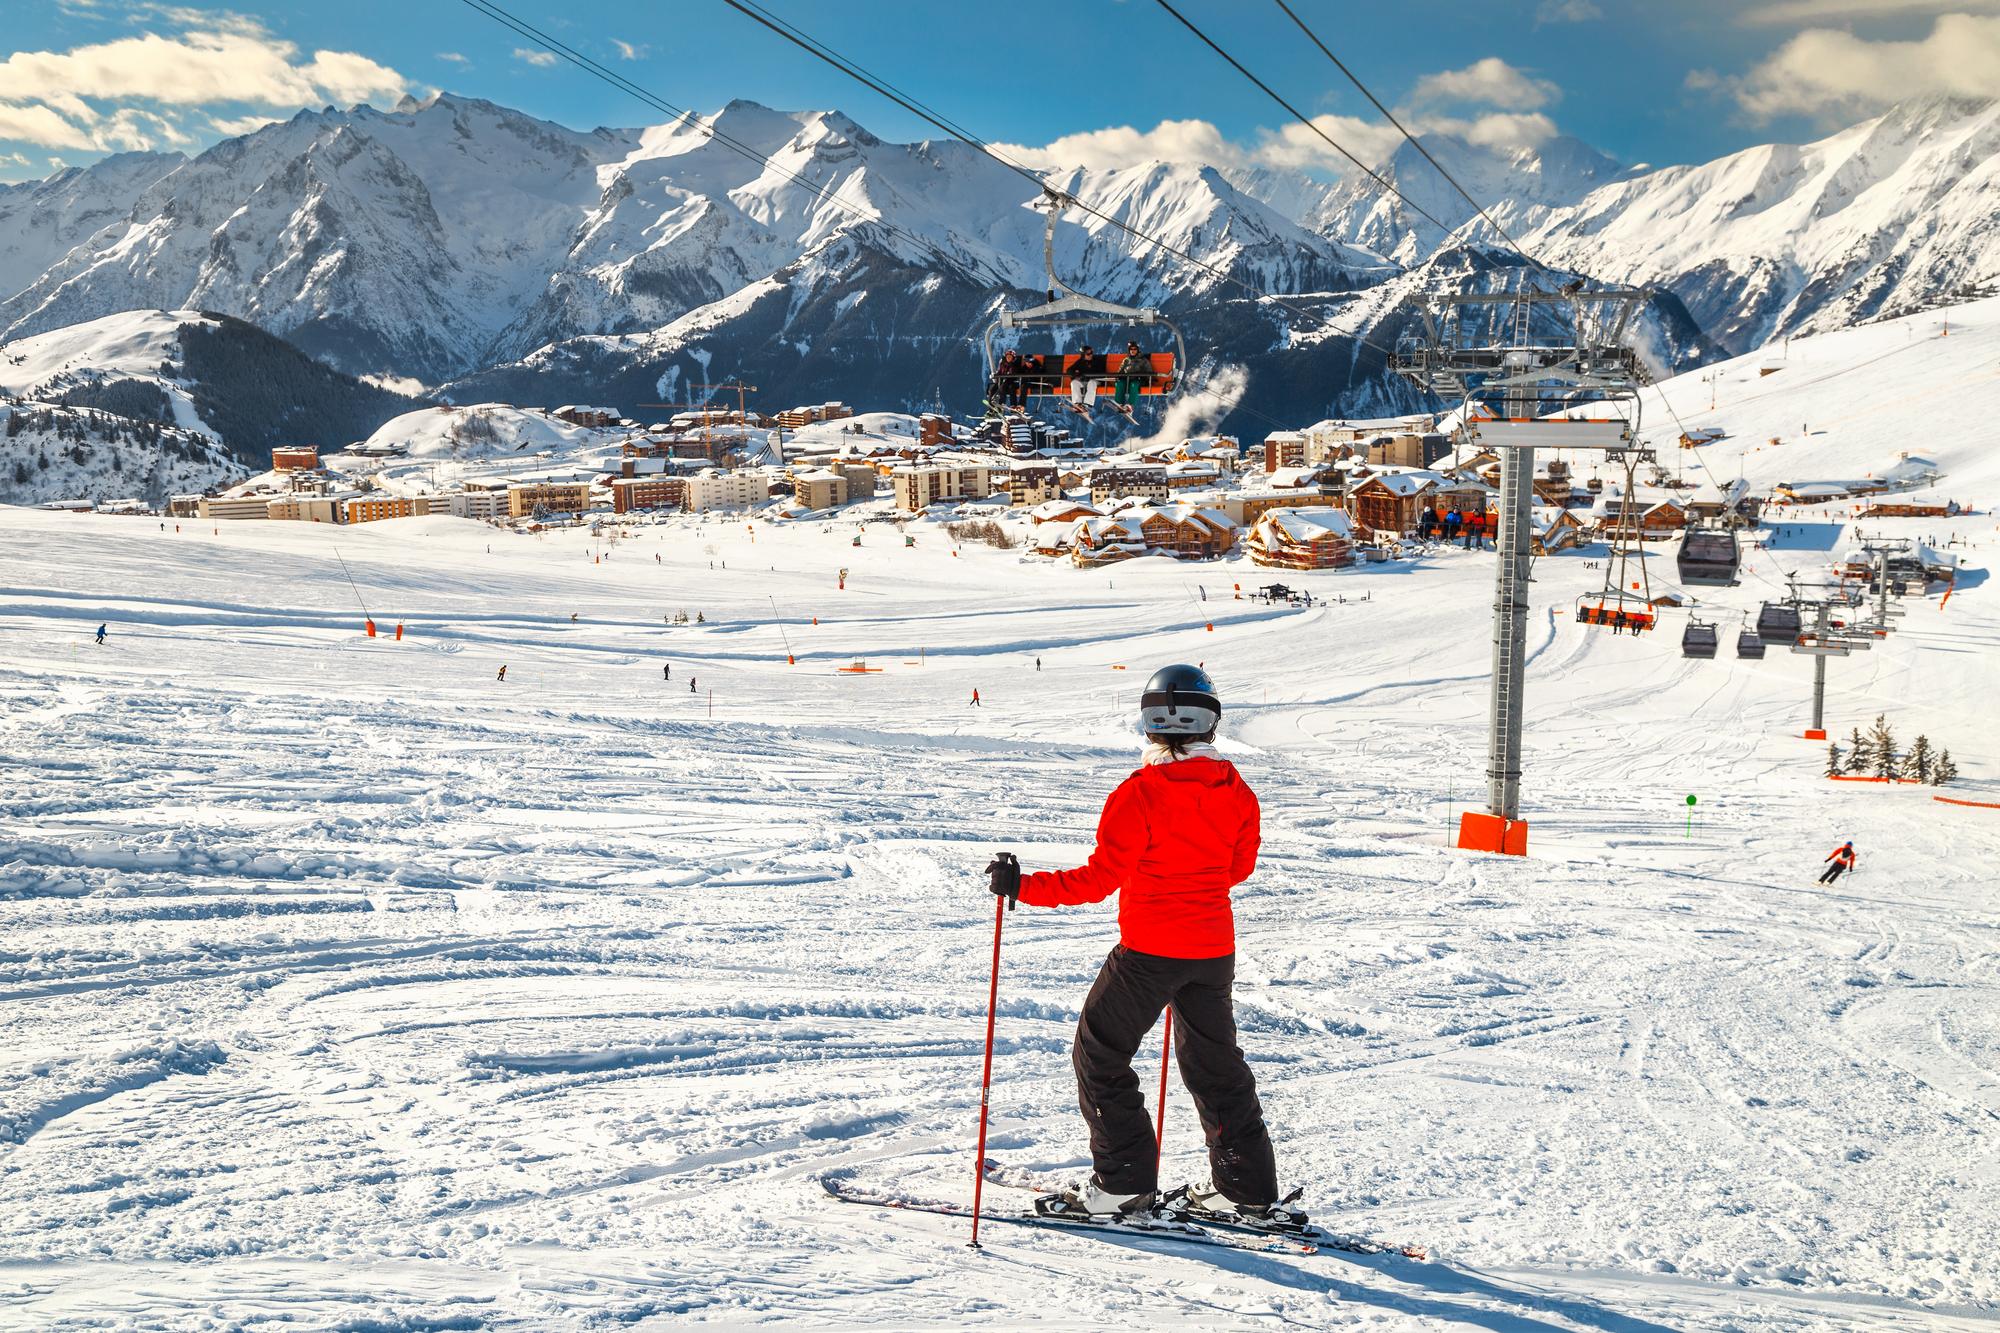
(1068, 311)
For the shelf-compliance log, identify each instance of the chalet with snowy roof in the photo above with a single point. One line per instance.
(1301, 539)
(1181, 531)
(1553, 529)
(1064, 513)
(1730, 503)
(1652, 514)
(1244, 507)
(1192, 475)
(577, 414)
(1390, 503)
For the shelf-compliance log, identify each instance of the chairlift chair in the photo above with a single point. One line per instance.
(1050, 377)
(1619, 611)
(1778, 622)
(1699, 639)
(1707, 557)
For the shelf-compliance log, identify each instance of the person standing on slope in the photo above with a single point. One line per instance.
(1842, 859)
(1174, 838)
(100, 634)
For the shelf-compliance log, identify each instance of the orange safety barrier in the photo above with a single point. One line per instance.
(1490, 833)
(1981, 805)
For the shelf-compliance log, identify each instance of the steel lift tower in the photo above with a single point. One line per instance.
(1511, 359)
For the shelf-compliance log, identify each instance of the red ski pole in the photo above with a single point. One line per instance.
(1000, 907)
(1160, 1127)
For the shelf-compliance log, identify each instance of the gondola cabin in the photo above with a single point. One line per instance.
(1778, 623)
(1699, 639)
(1707, 557)
(1749, 645)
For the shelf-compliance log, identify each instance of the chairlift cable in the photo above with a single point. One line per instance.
(1415, 142)
(1304, 120)
(819, 192)
(821, 51)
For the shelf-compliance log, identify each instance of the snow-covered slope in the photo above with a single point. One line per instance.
(1845, 404)
(51, 452)
(212, 374)
(41, 221)
(346, 984)
(1896, 214)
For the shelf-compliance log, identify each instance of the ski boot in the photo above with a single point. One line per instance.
(1089, 1199)
(1205, 1203)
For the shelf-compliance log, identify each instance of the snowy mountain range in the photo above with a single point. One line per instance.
(464, 245)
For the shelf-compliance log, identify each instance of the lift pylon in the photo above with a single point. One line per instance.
(1532, 369)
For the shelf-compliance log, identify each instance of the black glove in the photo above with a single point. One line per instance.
(1003, 876)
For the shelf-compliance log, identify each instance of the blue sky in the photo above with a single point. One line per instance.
(1102, 80)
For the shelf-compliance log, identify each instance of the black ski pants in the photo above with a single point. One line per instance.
(1832, 872)
(1124, 1004)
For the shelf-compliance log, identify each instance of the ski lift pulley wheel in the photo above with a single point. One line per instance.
(1074, 310)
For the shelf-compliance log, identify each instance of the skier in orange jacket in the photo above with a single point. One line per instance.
(1842, 859)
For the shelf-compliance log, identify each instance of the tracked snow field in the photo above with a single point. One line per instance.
(346, 986)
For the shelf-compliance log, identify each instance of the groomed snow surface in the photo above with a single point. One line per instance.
(344, 986)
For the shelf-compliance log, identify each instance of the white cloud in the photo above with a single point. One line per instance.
(1784, 12)
(197, 68)
(1828, 73)
(453, 57)
(1291, 147)
(1488, 82)
(231, 126)
(41, 126)
(1123, 146)
(1567, 11)
(627, 51)
(1301, 149)
(539, 59)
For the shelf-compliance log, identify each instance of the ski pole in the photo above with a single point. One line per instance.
(1160, 1126)
(1000, 907)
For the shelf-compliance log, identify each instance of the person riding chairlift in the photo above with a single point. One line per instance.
(1135, 372)
(1006, 379)
(1085, 377)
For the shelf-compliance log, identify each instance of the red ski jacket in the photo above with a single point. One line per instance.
(1843, 854)
(1172, 841)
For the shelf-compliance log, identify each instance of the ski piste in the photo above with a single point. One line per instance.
(1185, 1233)
(1314, 1234)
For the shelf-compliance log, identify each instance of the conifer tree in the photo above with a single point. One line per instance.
(1945, 770)
(1859, 760)
(1919, 762)
(1833, 769)
(1882, 748)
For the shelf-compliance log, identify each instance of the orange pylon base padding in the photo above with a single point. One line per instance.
(1815, 734)
(1490, 833)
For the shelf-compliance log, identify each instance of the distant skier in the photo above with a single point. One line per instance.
(1842, 859)
(572, 617)
(503, 672)
(1038, 664)
(666, 671)
(101, 629)
(691, 683)
(975, 698)
(1174, 838)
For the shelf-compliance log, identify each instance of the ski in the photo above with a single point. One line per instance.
(1184, 1233)
(1311, 1233)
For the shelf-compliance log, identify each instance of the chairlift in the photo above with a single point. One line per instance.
(1619, 611)
(1778, 622)
(1707, 557)
(1623, 603)
(1048, 373)
(1699, 639)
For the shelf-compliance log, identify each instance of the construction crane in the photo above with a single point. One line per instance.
(741, 391)
(1531, 369)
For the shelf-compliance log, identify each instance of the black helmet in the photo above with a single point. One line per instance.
(1179, 701)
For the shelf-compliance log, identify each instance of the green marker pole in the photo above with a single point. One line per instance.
(1690, 827)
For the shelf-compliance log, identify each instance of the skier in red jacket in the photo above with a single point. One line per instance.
(1174, 838)
(1842, 859)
